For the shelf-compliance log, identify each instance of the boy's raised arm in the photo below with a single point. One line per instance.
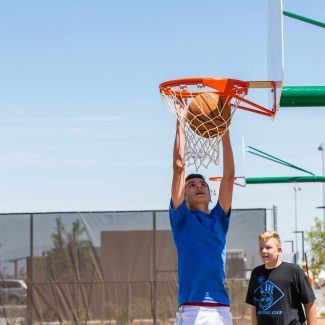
(178, 182)
(227, 182)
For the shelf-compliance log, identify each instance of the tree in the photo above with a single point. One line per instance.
(316, 239)
(71, 258)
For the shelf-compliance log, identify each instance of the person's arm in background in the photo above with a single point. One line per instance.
(253, 315)
(311, 313)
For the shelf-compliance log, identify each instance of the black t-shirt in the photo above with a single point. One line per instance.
(278, 294)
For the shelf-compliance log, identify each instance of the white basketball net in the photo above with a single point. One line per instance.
(200, 150)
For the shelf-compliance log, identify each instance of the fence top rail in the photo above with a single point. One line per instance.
(112, 211)
(78, 212)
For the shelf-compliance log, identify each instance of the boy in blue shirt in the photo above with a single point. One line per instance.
(200, 238)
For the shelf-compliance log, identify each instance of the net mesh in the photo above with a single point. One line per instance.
(203, 129)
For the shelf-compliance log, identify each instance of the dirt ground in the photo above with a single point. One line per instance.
(320, 321)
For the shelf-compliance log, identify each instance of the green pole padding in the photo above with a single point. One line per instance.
(302, 96)
(305, 19)
(286, 179)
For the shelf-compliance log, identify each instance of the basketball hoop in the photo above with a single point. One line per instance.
(205, 126)
(239, 180)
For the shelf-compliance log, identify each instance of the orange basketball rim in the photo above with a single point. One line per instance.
(234, 91)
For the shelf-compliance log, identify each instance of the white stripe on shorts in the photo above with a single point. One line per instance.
(198, 315)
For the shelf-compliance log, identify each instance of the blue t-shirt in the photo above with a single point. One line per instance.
(200, 240)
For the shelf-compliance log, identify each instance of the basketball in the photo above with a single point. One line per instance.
(209, 115)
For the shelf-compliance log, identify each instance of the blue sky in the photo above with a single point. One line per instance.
(82, 125)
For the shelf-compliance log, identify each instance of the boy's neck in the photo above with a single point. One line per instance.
(200, 207)
(273, 266)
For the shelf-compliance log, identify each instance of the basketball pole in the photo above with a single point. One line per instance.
(277, 160)
(304, 19)
(302, 96)
(285, 179)
(275, 217)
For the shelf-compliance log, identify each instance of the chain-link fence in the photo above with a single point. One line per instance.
(107, 267)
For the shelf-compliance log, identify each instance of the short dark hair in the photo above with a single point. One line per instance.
(190, 176)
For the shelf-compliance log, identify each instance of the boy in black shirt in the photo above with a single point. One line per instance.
(278, 289)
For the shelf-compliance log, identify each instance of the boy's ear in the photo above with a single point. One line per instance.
(279, 250)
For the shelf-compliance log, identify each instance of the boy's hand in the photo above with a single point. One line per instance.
(181, 109)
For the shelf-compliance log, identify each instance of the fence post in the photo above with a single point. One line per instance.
(154, 252)
(30, 284)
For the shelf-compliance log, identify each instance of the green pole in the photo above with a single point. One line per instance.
(286, 179)
(305, 19)
(302, 96)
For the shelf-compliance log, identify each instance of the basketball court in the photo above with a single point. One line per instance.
(84, 132)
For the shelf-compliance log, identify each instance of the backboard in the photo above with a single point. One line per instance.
(179, 94)
(275, 64)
